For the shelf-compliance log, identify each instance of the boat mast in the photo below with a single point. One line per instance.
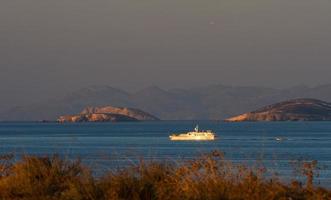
(196, 128)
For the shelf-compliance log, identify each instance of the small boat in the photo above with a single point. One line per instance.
(280, 139)
(194, 135)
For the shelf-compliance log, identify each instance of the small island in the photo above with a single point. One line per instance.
(291, 110)
(108, 114)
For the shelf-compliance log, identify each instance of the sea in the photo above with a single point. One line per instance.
(109, 146)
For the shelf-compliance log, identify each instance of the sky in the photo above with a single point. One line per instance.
(50, 47)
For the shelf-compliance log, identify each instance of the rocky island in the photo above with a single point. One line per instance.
(291, 110)
(108, 114)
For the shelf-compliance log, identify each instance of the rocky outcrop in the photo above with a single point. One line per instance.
(95, 118)
(108, 114)
(292, 110)
(130, 112)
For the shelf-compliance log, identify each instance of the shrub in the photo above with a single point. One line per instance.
(208, 177)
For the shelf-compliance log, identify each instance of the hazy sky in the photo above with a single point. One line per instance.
(49, 46)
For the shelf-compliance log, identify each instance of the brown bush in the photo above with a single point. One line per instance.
(205, 178)
(47, 178)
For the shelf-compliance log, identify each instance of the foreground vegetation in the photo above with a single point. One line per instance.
(208, 177)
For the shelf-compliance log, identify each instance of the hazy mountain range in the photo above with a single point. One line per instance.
(210, 102)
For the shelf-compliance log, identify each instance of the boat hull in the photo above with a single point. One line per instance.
(196, 138)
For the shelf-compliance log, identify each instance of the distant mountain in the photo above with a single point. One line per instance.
(210, 102)
(95, 117)
(292, 110)
(131, 112)
(108, 114)
(172, 105)
(71, 103)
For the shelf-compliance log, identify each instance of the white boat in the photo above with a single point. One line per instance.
(194, 135)
(280, 139)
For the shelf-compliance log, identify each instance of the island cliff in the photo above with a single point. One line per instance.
(108, 114)
(292, 110)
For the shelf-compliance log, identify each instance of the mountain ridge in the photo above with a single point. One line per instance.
(108, 114)
(209, 102)
(305, 109)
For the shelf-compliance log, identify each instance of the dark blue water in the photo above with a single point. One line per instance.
(104, 146)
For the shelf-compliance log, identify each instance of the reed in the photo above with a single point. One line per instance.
(207, 177)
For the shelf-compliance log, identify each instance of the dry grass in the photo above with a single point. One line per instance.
(207, 177)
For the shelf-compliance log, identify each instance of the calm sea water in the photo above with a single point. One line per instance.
(104, 146)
